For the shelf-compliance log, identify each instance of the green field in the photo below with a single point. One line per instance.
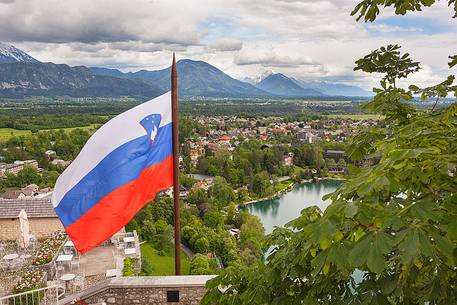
(6, 133)
(164, 265)
(355, 116)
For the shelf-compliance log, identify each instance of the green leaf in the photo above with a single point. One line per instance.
(409, 246)
(325, 243)
(425, 244)
(358, 254)
(444, 245)
(351, 210)
(414, 88)
(453, 61)
(375, 260)
(451, 231)
(318, 262)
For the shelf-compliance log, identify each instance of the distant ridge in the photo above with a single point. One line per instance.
(22, 75)
(333, 89)
(196, 78)
(10, 54)
(21, 79)
(281, 85)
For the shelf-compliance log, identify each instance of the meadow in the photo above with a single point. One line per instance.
(164, 264)
(356, 117)
(6, 133)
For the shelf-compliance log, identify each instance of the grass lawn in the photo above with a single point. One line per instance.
(282, 185)
(6, 133)
(164, 265)
(355, 116)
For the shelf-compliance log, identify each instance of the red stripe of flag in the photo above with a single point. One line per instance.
(116, 209)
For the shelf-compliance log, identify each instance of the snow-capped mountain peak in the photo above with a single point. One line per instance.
(9, 54)
(258, 78)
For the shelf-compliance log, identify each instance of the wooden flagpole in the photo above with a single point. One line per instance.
(175, 118)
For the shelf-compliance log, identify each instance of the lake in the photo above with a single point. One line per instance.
(281, 210)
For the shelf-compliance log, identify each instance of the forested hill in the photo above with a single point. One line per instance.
(196, 78)
(21, 79)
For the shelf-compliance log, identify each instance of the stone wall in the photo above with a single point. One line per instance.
(40, 227)
(154, 290)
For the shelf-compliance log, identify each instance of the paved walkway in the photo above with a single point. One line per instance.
(189, 252)
(98, 260)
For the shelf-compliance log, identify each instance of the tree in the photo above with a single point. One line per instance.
(221, 191)
(231, 213)
(148, 230)
(197, 196)
(394, 222)
(214, 219)
(200, 265)
(28, 176)
(251, 229)
(252, 233)
(342, 164)
(261, 184)
(201, 245)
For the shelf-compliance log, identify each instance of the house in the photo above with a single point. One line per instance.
(16, 167)
(289, 159)
(335, 154)
(50, 153)
(60, 162)
(279, 131)
(235, 233)
(306, 137)
(224, 139)
(40, 212)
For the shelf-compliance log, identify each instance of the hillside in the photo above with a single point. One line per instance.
(196, 78)
(47, 79)
(281, 85)
(333, 89)
(10, 54)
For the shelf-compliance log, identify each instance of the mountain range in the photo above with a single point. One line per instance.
(22, 75)
(9, 54)
(279, 84)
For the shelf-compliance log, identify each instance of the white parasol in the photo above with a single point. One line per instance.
(24, 238)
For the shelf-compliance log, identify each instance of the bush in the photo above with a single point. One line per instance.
(128, 267)
(29, 281)
(200, 265)
(48, 249)
(146, 267)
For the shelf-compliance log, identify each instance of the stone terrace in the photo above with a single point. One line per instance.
(155, 290)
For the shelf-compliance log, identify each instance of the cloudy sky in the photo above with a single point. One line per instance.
(309, 39)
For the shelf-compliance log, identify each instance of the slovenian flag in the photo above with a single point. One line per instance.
(121, 167)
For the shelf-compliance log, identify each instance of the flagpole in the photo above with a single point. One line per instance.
(175, 119)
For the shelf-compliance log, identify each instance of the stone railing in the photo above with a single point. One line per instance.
(156, 290)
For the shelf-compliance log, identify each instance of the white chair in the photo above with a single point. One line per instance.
(16, 264)
(60, 270)
(3, 266)
(33, 243)
(74, 263)
(79, 282)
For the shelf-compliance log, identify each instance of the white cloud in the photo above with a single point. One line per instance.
(269, 58)
(303, 38)
(225, 45)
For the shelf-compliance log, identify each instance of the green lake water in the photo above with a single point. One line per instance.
(281, 210)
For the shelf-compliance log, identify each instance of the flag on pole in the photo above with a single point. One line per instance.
(121, 167)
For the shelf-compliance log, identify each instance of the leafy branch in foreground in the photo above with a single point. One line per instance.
(453, 59)
(370, 9)
(390, 233)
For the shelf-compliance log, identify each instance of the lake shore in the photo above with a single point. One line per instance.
(287, 189)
